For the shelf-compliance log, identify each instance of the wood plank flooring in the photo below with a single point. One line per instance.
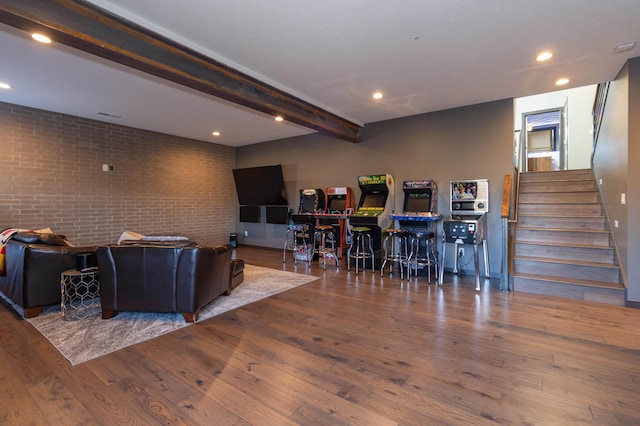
(346, 350)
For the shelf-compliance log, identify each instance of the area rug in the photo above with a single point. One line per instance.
(82, 340)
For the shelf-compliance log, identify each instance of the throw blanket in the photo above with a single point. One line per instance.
(4, 237)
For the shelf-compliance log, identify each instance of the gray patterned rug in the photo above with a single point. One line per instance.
(82, 340)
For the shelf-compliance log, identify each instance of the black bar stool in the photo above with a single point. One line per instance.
(322, 234)
(420, 259)
(395, 250)
(361, 241)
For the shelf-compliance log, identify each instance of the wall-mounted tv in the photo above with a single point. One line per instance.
(277, 214)
(250, 214)
(260, 186)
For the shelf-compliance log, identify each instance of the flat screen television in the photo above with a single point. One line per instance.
(260, 186)
(277, 214)
(250, 214)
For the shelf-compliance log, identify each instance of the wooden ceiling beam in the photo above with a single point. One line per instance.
(85, 27)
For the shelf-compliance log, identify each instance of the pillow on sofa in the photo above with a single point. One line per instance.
(41, 238)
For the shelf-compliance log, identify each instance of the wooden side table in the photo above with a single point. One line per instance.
(80, 292)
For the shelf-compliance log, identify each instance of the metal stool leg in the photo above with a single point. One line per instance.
(332, 238)
(373, 258)
(385, 245)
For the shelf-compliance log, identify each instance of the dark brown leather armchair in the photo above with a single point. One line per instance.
(34, 263)
(162, 278)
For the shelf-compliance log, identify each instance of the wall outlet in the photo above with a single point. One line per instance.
(623, 198)
(615, 223)
(461, 252)
(246, 233)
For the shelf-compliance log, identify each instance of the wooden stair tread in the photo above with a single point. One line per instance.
(557, 215)
(578, 203)
(569, 245)
(567, 262)
(575, 281)
(593, 231)
(549, 191)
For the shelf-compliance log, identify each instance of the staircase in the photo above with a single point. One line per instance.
(562, 244)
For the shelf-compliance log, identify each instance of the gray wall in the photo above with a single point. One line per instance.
(617, 163)
(633, 189)
(463, 143)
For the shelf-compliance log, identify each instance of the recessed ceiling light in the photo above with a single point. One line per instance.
(41, 38)
(377, 95)
(216, 133)
(562, 81)
(544, 56)
(624, 47)
(279, 118)
(4, 85)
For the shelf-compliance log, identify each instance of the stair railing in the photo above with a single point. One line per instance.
(505, 213)
(597, 113)
(509, 215)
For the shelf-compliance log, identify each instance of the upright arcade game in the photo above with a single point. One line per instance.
(420, 213)
(468, 222)
(375, 207)
(420, 207)
(339, 207)
(312, 202)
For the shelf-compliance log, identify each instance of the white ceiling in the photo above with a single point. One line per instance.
(425, 55)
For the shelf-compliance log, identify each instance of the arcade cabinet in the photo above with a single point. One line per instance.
(419, 215)
(312, 201)
(468, 222)
(420, 206)
(375, 207)
(339, 206)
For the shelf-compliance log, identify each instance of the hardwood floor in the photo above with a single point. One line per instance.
(349, 350)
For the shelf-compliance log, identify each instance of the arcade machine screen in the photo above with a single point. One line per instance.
(417, 202)
(337, 204)
(308, 204)
(464, 190)
(311, 201)
(373, 201)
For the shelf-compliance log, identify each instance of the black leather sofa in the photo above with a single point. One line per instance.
(162, 277)
(34, 262)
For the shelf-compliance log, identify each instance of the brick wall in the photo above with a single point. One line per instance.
(51, 176)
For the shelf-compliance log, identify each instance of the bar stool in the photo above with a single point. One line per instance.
(398, 252)
(302, 247)
(361, 240)
(320, 236)
(418, 259)
(291, 230)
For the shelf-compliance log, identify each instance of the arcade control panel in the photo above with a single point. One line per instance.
(465, 231)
